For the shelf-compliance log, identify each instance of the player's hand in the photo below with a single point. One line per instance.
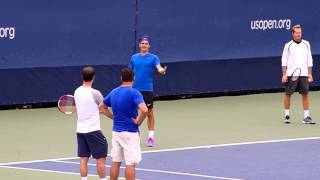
(164, 70)
(135, 121)
(284, 79)
(310, 78)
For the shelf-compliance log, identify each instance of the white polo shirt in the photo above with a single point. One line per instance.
(87, 102)
(297, 55)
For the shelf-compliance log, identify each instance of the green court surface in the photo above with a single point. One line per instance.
(35, 134)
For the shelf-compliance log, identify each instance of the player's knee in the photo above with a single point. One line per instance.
(101, 162)
(288, 95)
(116, 164)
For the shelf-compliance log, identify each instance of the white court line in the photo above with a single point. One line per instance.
(179, 149)
(163, 171)
(35, 161)
(231, 144)
(42, 170)
(52, 171)
(174, 149)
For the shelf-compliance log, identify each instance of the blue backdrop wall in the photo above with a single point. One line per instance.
(208, 46)
(228, 29)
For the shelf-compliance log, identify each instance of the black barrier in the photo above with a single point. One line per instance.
(41, 85)
(205, 77)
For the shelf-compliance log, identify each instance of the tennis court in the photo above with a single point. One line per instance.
(230, 137)
(219, 106)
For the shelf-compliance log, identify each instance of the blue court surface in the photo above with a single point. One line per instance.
(292, 159)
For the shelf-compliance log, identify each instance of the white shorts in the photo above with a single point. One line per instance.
(126, 147)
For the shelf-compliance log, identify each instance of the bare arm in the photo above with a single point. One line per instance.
(284, 74)
(310, 71)
(142, 115)
(284, 70)
(105, 110)
(310, 77)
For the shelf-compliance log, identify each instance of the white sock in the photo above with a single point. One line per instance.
(151, 133)
(103, 178)
(84, 178)
(306, 113)
(286, 112)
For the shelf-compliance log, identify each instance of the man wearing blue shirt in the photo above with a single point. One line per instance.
(143, 64)
(125, 102)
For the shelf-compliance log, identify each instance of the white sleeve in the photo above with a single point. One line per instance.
(97, 96)
(285, 54)
(310, 60)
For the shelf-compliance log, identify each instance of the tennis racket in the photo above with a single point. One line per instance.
(66, 104)
(296, 74)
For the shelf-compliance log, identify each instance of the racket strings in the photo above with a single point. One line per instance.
(68, 101)
(296, 74)
(67, 104)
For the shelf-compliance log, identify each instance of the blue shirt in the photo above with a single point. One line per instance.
(143, 68)
(124, 102)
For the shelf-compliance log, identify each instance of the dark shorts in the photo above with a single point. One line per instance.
(148, 98)
(92, 143)
(301, 85)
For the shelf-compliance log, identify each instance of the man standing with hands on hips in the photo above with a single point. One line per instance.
(297, 56)
(143, 65)
(125, 102)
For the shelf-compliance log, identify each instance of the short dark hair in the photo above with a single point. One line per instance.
(145, 38)
(127, 75)
(298, 26)
(88, 73)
